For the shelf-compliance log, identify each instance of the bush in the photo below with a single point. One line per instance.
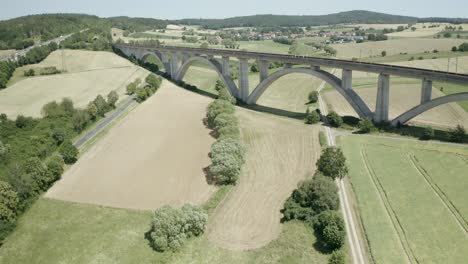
(330, 228)
(224, 94)
(217, 107)
(59, 135)
(171, 227)
(229, 131)
(101, 104)
(366, 126)
(55, 167)
(334, 119)
(332, 163)
(8, 203)
(68, 152)
(313, 97)
(428, 133)
(112, 99)
(154, 81)
(337, 257)
(225, 168)
(458, 134)
(79, 120)
(228, 147)
(225, 119)
(142, 94)
(131, 88)
(312, 117)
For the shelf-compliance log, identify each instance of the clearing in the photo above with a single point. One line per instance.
(153, 157)
(280, 153)
(411, 197)
(87, 74)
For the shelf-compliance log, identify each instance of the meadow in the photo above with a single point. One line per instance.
(410, 198)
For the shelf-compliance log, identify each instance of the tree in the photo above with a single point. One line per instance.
(131, 88)
(154, 81)
(225, 168)
(457, 134)
(228, 146)
(112, 98)
(254, 68)
(8, 203)
(37, 171)
(59, 135)
(384, 53)
(92, 110)
(4, 149)
(413, 28)
(313, 97)
(312, 117)
(463, 47)
(171, 227)
(29, 72)
(217, 107)
(334, 119)
(332, 163)
(366, 126)
(337, 257)
(22, 121)
(68, 152)
(225, 119)
(447, 35)
(67, 106)
(80, 120)
(101, 105)
(329, 226)
(55, 167)
(141, 93)
(204, 45)
(428, 133)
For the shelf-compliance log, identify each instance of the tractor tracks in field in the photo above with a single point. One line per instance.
(457, 216)
(389, 209)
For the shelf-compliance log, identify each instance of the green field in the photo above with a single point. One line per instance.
(411, 197)
(53, 231)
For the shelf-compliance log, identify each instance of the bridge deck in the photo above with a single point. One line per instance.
(324, 62)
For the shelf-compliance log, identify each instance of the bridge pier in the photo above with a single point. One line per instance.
(382, 103)
(347, 79)
(185, 57)
(166, 63)
(175, 64)
(243, 79)
(263, 65)
(225, 67)
(426, 90)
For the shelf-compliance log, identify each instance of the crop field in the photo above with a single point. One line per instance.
(394, 46)
(420, 30)
(280, 153)
(137, 164)
(411, 197)
(458, 64)
(110, 236)
(86, 75)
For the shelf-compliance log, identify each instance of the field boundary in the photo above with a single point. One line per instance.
(461, 221)
(389, 209)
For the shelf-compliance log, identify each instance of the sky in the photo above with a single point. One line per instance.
(176, 9)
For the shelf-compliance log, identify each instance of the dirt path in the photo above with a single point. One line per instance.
(153, 157)
(280, 153)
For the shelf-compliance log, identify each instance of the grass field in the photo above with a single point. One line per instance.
(280, 153)
(59, 232)
(86, 75)
(146, 143)
(411, 197)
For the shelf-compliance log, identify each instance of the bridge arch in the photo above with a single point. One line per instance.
(159, 56)
(215, 65)
(351, 96)
(419, 109)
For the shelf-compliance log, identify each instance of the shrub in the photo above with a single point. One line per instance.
(229, 131)
(225, 95)
(225, 168)
(312, 117)
(171, 227)
(4, 149)
(330, 228)
(68, 152)
(457, 134)
(92, 110)
(228, 147)
(154, 81)
(334, 119)
(366, 126)
(217, 107)
(332, 163)
(131, 88)
(79, 120)
(59, 135)
(101, 104)
(313, 97)
(322, 139)
(225, 119)
(112, 98)
(29, 72)
(428, 133)
(55, 167)
(337, 257)
(8, 203)
(141, 94)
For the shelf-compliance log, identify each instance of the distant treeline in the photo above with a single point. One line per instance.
(443, 20)
(357, 16)
(23, 32)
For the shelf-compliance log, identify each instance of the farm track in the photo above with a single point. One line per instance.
(389, 209)
(459, 219)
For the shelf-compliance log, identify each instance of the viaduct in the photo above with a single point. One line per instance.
(177, 60)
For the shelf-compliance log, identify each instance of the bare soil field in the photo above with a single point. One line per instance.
(87, 74)
(394, 46)
(280, 153)
(6, 52)
(402, 98)
(154, 157)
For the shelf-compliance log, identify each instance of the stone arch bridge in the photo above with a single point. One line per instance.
(177, 60)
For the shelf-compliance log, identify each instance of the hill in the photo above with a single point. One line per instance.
(356, 16)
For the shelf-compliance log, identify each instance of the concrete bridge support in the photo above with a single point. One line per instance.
(382, 103)
(166, 63)
(225, 66)
(288, 66)
(426, 91)
(185, 57)
(244, 79)
(347, 80)
(263, 65)
(175, 64)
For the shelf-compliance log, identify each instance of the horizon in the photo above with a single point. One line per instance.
(210, 9)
